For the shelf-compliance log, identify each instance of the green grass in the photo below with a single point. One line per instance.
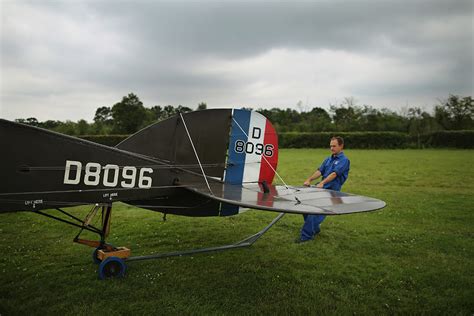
(415, 256)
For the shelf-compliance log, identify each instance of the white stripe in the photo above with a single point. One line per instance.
(248, 195)
(256, 136)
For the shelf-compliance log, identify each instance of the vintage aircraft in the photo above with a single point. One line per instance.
(206, 163)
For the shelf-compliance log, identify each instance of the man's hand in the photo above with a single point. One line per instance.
(315, 175)
(320, 185)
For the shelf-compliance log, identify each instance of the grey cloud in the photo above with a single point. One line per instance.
(153, 47)
(236, 29)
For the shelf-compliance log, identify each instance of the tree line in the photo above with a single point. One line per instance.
(130, 115)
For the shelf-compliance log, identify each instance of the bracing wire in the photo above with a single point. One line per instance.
(195, 153)
(93, 190)
(155, 167)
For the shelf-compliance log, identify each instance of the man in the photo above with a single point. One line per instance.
(334, 170)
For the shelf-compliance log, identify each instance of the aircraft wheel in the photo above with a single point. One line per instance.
(94, 256)
(112, 267)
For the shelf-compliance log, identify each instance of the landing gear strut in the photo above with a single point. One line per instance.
(112, 259)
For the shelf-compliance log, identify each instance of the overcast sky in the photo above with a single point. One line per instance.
(63, 59)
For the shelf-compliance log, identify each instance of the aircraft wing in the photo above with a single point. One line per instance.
(298, 200)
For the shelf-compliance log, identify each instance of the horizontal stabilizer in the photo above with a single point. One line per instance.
(298, 200)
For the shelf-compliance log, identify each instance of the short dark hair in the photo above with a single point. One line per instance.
(339, 139)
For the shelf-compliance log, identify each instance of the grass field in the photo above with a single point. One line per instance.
(415, 256)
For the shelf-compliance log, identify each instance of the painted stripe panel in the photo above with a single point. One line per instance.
(236, 161)
(269, 164)
(254, 147)
(248, 144)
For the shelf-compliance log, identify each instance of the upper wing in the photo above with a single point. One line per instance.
(299, 200)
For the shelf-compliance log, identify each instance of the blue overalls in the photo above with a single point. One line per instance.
(339, 164)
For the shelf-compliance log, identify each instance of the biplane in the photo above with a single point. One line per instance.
(216, 162)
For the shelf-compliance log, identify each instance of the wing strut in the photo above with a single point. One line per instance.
(86, 225)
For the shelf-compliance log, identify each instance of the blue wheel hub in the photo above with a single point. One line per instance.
(112, 267)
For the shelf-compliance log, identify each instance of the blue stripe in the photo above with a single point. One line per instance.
(236, 161)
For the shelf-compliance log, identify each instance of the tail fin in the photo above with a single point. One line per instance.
(253, 153)
(168, 141)
(253, 149)
(236, 146)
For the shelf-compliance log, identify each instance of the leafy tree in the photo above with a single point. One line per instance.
(183, 109)
(21, 120)
(456, 113)
(82, 127)
(443, 117)
(156, 112)
(420, 122)
(68, 128)
(30, 121)
(103, 121)
(389, 120)
(283, 120)
(319, 119)
(128, 115)
(50, 124)
(103, 115)
(168, 111)
(346, 118)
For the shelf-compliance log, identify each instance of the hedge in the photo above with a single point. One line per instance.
(369, 140)
(454, 139)
(365, 140)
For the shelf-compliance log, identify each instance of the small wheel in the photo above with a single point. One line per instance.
(112, 267)
(95, 259)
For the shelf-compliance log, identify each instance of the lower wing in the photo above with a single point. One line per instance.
(298, 200)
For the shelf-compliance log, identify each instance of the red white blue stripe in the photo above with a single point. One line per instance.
(252, 154)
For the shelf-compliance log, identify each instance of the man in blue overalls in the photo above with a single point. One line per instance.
(335, 170)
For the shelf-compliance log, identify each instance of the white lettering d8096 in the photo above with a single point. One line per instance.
(249, 148)
(110, 175)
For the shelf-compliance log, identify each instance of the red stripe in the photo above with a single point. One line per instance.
(266, 199)
(271, 138)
